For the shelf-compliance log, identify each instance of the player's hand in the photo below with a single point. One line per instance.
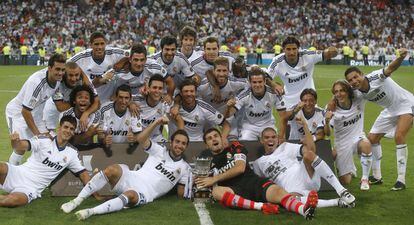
(130, 136)
(108, 75)
(15, 137)
(301, 120)
(167, 98)
(279, 89)
(163, 120)
(174, 111)
(203, 182)
(134, 109)
(281, 139)
(121, 64)
(331, 106)
(328, 115)
(143, 90)
(403, 52)
(83, 122)
(231, 102)
(225, 142)
(100, 132)
(108, 140)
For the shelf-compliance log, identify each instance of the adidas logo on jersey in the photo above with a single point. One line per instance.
(354, 120)
(303, 76)
(168, 174)
(51, 164)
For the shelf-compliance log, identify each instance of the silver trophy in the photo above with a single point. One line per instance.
(201, 169)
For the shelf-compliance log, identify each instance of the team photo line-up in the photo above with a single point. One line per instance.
(109, 95)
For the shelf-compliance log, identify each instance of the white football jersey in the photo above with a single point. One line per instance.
(93, 120)
(276, 166)
(33, 95)
(316, 121)
(118, 125)
(348, 123)
(149, 114)
(94, 69)
(179, 69)
(160, 173)
(232, 88)
(295, 77)
(258, 112)
(136, 81)
(48, 160)
(196, 120)
(200, 65)
(386, 92)
(194, 55)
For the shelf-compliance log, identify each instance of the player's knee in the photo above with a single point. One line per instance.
(132, 197)
(13, 201)
(345, 179)
(365, 146)
(113, 171)
(374, 138)
(19, 151)
(399, 138)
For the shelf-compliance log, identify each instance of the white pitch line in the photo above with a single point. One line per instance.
(9, 91)
(203, 213)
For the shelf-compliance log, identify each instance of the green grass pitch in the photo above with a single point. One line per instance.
(377, 206)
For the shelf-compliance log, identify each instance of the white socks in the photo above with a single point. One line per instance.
(322, 169)
(322, 203)
(402, 154)
(366, 162)
(112, 205)
(376, 160)
(95, 184)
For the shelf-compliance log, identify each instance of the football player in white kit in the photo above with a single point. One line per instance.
(296, 167)
(257, 104)
(117, 125)
(81, 99)
(188, 40)
(347, 121)
(314, 117)
(97, 60)
(152, 107)
(163, 169)
(24, 113)
(60, 100)
(49, 158)
(395, 120)
(295, 68)
(176, 64)
(197, 114)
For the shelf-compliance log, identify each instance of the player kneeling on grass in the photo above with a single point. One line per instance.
(236, 186)
(49, 158)
(296, 167)
(161, 172)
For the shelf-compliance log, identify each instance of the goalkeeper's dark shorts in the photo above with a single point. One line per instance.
(251, 187)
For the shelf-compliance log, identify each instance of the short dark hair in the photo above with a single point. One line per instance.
(139, 49)
(267, 129)
(309, 91)
(346, 86)
(155, 77)
(188, 31)
(68, 118)
(71, 65)
(125, 88)
(168, 40)
(210, 130)
(180, 132)
(291, 40)
(223, 61)
(257, 71)
(211, 40)
(56, 58)
(352, 69)
(187, 82)
(78, 89)
(96, 35)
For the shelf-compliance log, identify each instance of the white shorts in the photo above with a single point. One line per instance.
(345, 155)
(131, 180)
(19, 125)
(386, 122)
(50, 115)
(252, 133)
(299, 180)
(17, 181)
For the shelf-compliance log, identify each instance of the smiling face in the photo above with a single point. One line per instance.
(122, 100)
(155, 90)
(211, 51)
(269, 140)
(98, 48)
(187, 43)
(82, 101)
(168, 52)
(214, 142)
(66, 131)
(188, 94)
(355, 79)
(72, 76)
(309, 103)
(56, 72)
(221, 73)
(137, 61)
(257, 83)
(178, 145)
(340, 94)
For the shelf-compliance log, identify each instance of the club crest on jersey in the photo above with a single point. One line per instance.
(127, 122)
(178, 170)
(175, 70)
(268, 105)
(65, 159)
(228, 155)
(314, 125)
(196, 118)
(303, 68)
(159, 111)
(139, 124)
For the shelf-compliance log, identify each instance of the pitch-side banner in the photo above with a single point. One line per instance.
(95, 160)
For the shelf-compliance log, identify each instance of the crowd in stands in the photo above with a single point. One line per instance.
(63, 25)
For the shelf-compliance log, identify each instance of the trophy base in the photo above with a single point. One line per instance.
(201, 196)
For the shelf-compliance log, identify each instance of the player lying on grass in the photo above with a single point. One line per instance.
(162, 170)
(49, 158)
(235, 185)
(297, 169)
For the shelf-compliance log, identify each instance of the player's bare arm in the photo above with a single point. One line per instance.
(27, 115)
(236, 170)
(143, 137)
(17, 144)
(393, 66)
